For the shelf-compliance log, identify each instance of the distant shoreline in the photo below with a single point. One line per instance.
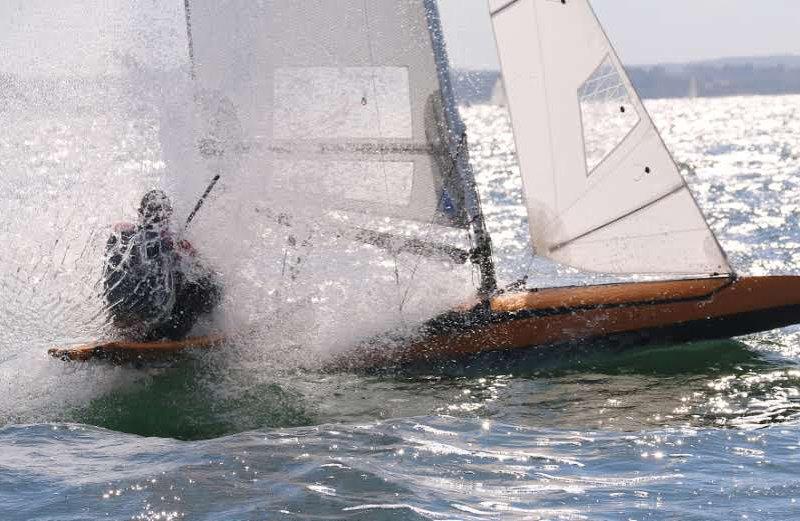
(744, 76)
(769, 75)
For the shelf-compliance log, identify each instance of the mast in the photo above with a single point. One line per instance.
(481, 254)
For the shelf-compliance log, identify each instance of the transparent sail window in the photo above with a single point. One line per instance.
(342, 103)
(607, 113)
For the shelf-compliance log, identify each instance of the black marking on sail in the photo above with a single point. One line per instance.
(188, 10)
(378, 148)
(387, 241)
(398, 244)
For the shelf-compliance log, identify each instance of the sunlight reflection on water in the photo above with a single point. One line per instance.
(677, 432)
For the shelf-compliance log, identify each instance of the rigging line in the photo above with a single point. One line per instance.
(474, 267)
(380, 136)
(419, 257)
(527, 272)
(460, 149)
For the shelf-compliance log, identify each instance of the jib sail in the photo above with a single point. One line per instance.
(603, 192)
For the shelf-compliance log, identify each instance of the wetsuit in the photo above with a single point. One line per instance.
(155, 288)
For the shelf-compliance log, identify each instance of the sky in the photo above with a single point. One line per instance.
(84, 36)
(654, 31)
(670, 31)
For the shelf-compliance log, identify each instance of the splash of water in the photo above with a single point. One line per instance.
(76, 159)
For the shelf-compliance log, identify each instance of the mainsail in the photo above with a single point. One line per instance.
(346, 103)
(602, 191)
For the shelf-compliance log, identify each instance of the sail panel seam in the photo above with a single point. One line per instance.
(647, 235)
(618, 219)
(365, 148)
(190, 39)
(547, 104)
(503, 7)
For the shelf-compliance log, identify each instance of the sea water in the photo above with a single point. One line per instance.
(694, 431)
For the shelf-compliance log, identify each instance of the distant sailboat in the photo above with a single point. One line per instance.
(351, 101)
(498, 98)
(694, 88)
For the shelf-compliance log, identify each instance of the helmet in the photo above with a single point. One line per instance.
(155, 207)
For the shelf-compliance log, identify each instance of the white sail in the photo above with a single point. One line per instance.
(602, 191)
(338, 102)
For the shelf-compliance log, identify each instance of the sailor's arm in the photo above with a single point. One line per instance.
(117, 233)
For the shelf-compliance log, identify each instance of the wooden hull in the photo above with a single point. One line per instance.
(121, 352)
(640, 313)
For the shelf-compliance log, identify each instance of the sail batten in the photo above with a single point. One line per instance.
(597, 176)
(505, 4)
(618, 219)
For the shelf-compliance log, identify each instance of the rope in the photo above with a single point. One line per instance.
(380, 136)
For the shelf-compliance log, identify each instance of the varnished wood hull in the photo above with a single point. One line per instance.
(122, 352)
(640, 313)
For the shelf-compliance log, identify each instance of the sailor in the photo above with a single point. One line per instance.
(155, 286)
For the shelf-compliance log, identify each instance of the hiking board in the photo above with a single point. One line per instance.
(122, 352)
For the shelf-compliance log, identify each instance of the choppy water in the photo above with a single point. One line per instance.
(705, 431)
